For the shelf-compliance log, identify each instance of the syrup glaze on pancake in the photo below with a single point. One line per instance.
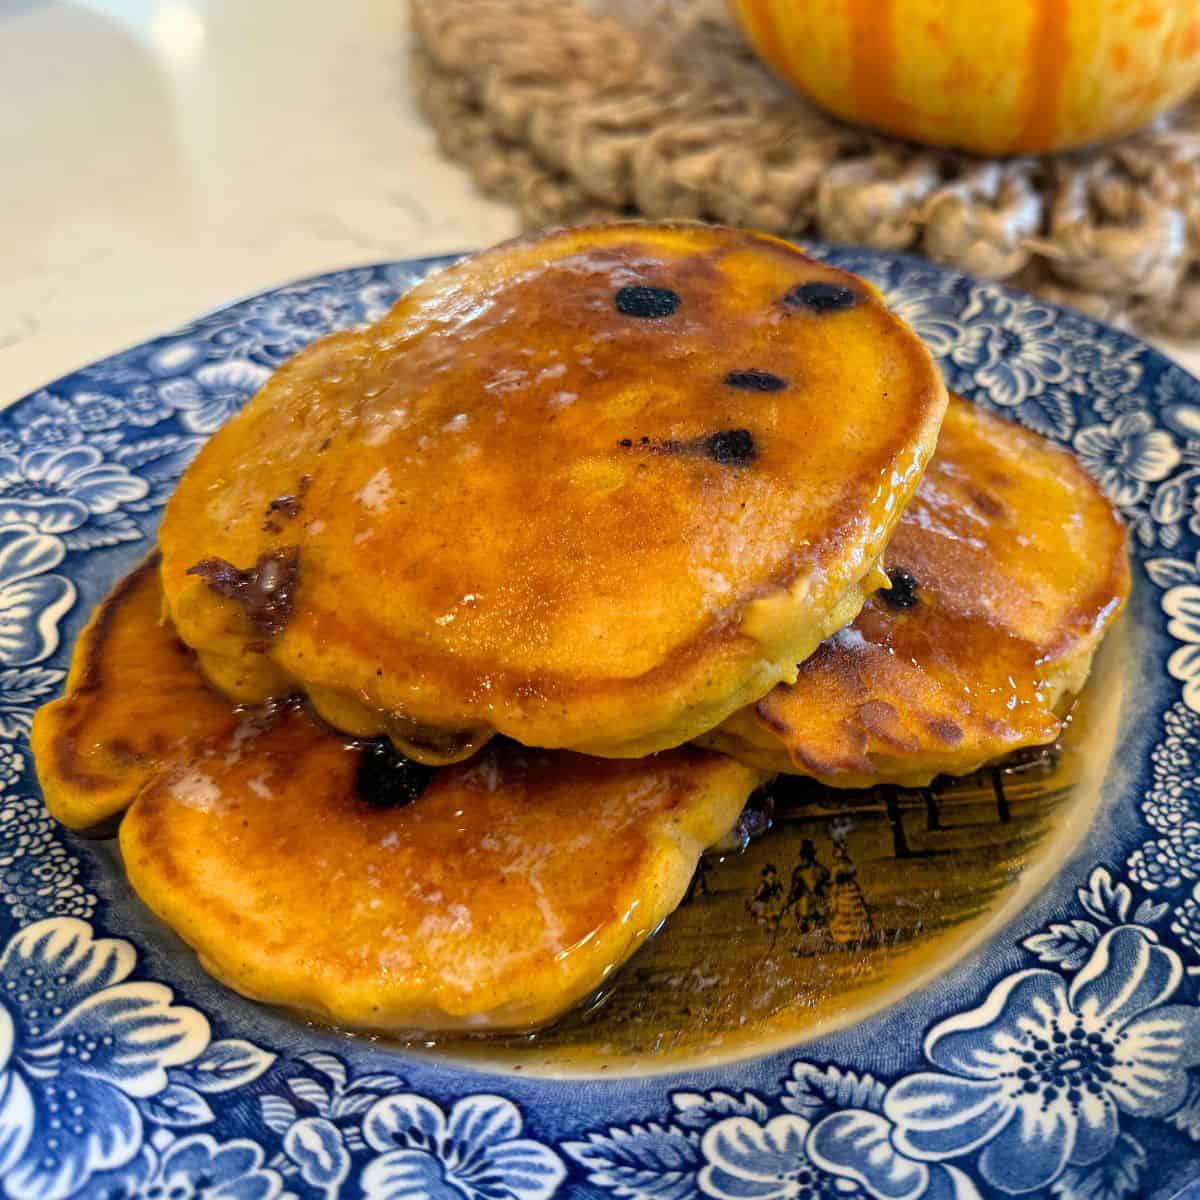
(331, 876)
(499, 899)
(595, 489)
(134, 702)
(1007, 568)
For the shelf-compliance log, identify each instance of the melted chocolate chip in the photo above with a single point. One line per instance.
(757, 817)
(287, 506)
(386, 779)
(821, 297)
(903, 592)
(266, 591)
(730, 447)
(755, 381)
(647, 303)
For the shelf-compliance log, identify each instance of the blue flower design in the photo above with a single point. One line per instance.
(79, 1044)
(12, 765)
(46, 419)
(22, 690)
(32, 602)
(1182, 604)
(175, 356)
(745, 1160)
(38, 877)
(935, 313)
(1015, 353)
(1176, 500)
(1163, 864)
(195, 1167)
(140, 406)
(1126, 456)
(1038, 1075)
(1177, 400)
(477, 1153)
(857, 1144)
(1175, 761)
(210, 396)
(272, 328)
(43, 419)
(1112, 374)
(1185, 922)
(380, 294)
(57, 489)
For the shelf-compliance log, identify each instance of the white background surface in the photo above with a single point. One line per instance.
(162, 157)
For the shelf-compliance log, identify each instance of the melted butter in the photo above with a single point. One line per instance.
(766, 618)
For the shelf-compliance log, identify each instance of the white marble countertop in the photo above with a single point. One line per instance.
(167, 156)
(163, 157)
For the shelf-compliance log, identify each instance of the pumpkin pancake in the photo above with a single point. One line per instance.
(502, 896)
(1006, 570)
(332, 876)
(134, 701)
(595, 489)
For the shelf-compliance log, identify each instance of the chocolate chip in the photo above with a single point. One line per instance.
(821, 297)
(288, 506)
(386, 779)
(903, 592)
(266, 591)
(648, 303)
(755, 381)
(730, 447)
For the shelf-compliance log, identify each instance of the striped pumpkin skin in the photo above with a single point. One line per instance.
(992, 76)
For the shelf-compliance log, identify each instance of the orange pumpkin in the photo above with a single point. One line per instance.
(993, 76)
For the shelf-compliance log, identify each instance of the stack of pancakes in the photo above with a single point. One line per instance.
(472, 631)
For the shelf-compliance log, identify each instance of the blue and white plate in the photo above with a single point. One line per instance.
(1058, 1056)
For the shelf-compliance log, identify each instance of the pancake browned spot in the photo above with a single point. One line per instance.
(134, 701)
(1007, 568)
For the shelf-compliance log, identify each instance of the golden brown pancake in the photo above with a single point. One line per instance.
(595, 489)
(1007, 568)
(499, 899)
(502, 895)
(134, 702)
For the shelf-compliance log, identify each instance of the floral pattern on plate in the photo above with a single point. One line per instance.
(1063, 1060)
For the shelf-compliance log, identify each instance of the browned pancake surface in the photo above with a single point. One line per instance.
(134, 702)
(593, 490)
(499, 898)
(1009, 565)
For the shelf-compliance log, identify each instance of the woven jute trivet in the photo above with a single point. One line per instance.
(658, 108)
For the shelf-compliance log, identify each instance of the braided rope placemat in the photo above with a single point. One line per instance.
(658, 108)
